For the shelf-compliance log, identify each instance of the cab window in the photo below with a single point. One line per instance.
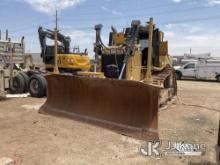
(189, 66)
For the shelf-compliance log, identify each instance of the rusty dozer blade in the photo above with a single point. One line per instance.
(128, 107)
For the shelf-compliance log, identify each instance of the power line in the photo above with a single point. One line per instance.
(215, 17)
(143, 14)
(154, 13)
(137, 9)
(162, 23)
(152, 6)
(161, 5)
(175, 22)
(29, 26)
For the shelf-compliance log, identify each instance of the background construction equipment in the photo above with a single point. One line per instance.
(13, 66)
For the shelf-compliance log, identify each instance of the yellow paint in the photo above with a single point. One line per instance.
(91, 74)
(164, 57)
(148, 77)
(133, 68)
(55, 69)
(118, 38)
(73, 61)
(165, 61)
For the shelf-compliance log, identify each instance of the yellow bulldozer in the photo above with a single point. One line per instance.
(137, 80)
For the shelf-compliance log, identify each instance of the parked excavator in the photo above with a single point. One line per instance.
(138, 79)
(68, 62)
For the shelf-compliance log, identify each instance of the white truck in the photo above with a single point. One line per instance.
(203, 70)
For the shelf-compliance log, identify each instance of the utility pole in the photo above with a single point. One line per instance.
(56, 69)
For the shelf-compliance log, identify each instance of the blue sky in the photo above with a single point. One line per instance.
(187, 23)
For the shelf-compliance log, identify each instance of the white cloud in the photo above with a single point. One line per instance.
(111, 11)
(189, 28)
(181, 44)
(211, 40)
(214, 2)
(169, 26)
(195, 29)
(182, 37)
(170, 34)
(173, 26)
(177, 1)
(83, 39)
(49, 6)
(205, 2)
(104, 8)
(117, 13)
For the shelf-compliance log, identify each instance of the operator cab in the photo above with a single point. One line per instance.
(113, 56)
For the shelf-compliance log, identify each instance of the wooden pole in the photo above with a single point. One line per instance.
(55, 69)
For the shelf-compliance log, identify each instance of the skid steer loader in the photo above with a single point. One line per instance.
(138, 79)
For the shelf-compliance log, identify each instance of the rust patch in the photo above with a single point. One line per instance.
(128, 107)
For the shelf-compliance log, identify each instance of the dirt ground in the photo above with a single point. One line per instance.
(31, 138)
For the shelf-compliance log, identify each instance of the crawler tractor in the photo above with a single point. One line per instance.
(138, 79)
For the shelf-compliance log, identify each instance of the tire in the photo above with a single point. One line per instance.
(111, 71)
(37, 86)
(218, 78)
(178, 75)
(17, 84)
(26, 78)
